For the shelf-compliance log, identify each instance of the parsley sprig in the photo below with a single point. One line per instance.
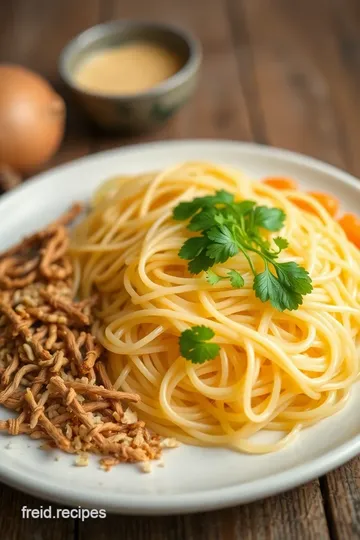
(228, 228)
(194, 344)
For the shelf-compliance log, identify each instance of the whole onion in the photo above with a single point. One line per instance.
(32, 119)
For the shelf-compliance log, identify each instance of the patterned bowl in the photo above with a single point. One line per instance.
(142, 111)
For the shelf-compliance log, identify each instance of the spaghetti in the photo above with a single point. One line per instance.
(276, 371)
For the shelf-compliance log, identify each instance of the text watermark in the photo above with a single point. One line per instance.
(48, 512)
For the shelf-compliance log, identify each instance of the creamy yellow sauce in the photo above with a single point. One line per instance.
(127, 69)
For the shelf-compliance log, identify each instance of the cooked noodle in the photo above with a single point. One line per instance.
(278, 371)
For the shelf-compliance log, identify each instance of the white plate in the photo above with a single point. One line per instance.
(193, 479)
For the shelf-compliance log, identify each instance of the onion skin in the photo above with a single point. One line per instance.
(32, 119)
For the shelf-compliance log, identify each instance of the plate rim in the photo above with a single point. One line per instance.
(162, 504)
(273, 151)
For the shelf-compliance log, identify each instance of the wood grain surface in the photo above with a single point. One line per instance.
(279, 72)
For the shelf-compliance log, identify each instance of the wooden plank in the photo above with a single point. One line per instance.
(341, 491)
(288, 64)
(14, 526)
(297, 514)
(307, 60)
(40, 29)
(342, 46)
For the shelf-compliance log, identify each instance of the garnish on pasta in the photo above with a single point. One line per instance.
(264, 371)
(194, 344)
(228, 228)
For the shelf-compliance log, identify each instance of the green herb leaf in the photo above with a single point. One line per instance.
(223, 244)
(193, 247)
(294, 276)
(265, 285)
(222, 196)
(185, 210)
(271, 219)
(203, 220)
(212, 278)
(268, 287)
(281, 243)
(244, 207)
(219, 218)
(236, 279)
(200, 263)
(228, 228)
(194, 344)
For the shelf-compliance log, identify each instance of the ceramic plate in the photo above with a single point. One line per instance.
(193, 479)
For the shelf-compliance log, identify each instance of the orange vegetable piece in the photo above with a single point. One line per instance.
(279, 182)
(351, 226)
(329, 202)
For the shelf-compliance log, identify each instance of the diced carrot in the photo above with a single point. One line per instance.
(330, 203)
(351, 226)
(280, 182)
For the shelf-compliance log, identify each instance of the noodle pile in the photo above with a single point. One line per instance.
(276, 371)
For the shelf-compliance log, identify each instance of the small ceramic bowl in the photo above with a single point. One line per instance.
(145, 110)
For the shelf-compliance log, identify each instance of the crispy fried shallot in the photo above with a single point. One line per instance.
(52, 370)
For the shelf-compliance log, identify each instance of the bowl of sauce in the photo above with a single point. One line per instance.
(131, 76)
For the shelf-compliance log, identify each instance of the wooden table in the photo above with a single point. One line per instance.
(278, 72)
